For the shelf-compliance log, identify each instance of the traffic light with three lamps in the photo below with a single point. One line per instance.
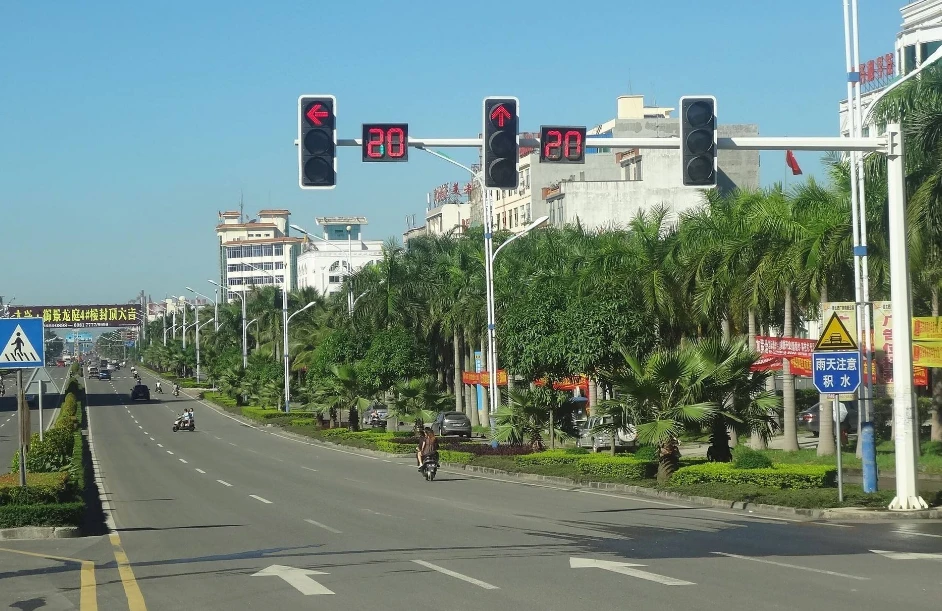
(698, 140)
(317, 142)
(501, 148)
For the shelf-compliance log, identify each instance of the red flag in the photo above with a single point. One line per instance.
(792, 163)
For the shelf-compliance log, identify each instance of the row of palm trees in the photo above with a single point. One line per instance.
(572, 301)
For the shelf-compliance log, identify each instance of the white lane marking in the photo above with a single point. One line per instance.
(219, 438)
(324, 526)
(907, 555)
(308, 468)
(140, 427)
(832, 524)
(224, 483)
(258, 498)
(384, 460)
(152, 439)
(232, 444)
(749, 515)
(625, 568)
(910, 532)
(183, 461)
(146, 433)
(201, 471)
(792, 566)
(160, 445)
(450, 573)
(169, 452)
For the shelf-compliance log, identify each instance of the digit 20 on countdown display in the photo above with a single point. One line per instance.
(385, 142)
(562, 144)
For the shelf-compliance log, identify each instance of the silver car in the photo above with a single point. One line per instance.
(587, 439)
(451, 423)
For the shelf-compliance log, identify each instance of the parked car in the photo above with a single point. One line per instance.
(451, 423)
(140, 392)
(597, 441)
(104, 375)
(810, 421)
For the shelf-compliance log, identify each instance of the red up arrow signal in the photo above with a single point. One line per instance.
(501, 114)
(315, 114)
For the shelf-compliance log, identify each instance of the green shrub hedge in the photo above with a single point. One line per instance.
(452, 456)
(778, 476)
(44, 514)
(260, 413)
(220, 399)
(616, 467)
(745, 457)
(552, 457)
(40, 488)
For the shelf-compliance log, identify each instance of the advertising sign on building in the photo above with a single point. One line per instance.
(78, 316)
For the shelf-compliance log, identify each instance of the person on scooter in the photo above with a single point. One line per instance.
(428, 447)
(157, 387)
(176, 389)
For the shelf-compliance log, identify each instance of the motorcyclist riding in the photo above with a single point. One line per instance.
(428, 448)
(158, 388)
(176, 389)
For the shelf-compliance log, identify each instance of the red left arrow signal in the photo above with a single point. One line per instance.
(501, 114)
(315, 114)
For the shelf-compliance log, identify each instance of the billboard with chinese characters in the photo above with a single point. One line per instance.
(79, 316)
(877, 73)
(450, 193)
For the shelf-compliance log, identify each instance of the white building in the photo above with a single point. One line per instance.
(326, 259)
(257, 253)
(919, 37)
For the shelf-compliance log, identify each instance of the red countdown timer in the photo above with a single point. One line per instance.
(385, 142)
(562, 144)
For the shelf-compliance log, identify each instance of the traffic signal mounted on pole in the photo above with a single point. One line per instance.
(698, 140)
(501, 149)
(317, 141)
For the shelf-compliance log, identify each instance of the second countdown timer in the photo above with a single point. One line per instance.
(385, 142)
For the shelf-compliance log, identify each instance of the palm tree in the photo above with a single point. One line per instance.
(418, 399)
(346, 392)
(523, 420)
(660, 394)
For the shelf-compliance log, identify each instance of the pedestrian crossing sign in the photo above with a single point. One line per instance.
(23, 343)
(835, 336)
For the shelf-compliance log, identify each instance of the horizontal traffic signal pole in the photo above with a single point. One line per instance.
(740, 143)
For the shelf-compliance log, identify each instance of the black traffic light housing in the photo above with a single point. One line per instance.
(698, 134)
(317, 142)
(501, 148)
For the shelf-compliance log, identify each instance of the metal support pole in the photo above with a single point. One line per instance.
(837, 436)
(39, 399)
(216, 309)
(197, 325)
(284, 324)
(904, 404)
(245, 344)
(184, 323)
(23, 418)
(489, 280)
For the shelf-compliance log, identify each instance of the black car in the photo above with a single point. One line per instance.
(104, 375)
(141, 392)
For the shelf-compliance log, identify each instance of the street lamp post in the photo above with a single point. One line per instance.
(245, 353)
(489, 254)
(287, 379)
(284, 325)
(198, 327)
(182, 300)
(215, 303)
(349, 271)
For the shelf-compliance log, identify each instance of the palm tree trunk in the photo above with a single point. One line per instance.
(790, 443)
(457, 386)
(826, 446)
(668, 461)
(472, 402)
(758, 441)
(593, 394)
(731, 438)
(935, 410)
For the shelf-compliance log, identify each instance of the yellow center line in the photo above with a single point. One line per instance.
(88, 593)
(131, 590)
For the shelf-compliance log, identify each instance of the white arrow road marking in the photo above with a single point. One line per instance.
(443, 570)
(907, 555)
(624, 569)
(791, 566)
(297, 578)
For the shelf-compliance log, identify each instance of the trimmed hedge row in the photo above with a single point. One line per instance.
(617, 467)
(778, 476)
(40, 488)
(553, 457)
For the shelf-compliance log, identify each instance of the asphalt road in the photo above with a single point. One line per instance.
(9, 421)
(239, 517)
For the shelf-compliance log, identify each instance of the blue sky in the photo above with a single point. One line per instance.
(125, 127)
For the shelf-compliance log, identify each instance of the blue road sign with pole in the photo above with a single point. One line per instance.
(24, 344)
(836, 372)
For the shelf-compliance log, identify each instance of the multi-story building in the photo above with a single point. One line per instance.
(326, 260)
(259, 252)
(919, 37)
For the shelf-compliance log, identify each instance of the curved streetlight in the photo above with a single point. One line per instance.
(348, 271)
(245, 354)
(215, 303)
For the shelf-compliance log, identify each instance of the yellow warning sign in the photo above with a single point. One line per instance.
(835, 336)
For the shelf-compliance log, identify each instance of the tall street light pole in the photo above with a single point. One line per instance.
(215, 303)
(245, 353)
(284, 325)
(198, 327)
(287, 377)
(349, 271)
(489, 254)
